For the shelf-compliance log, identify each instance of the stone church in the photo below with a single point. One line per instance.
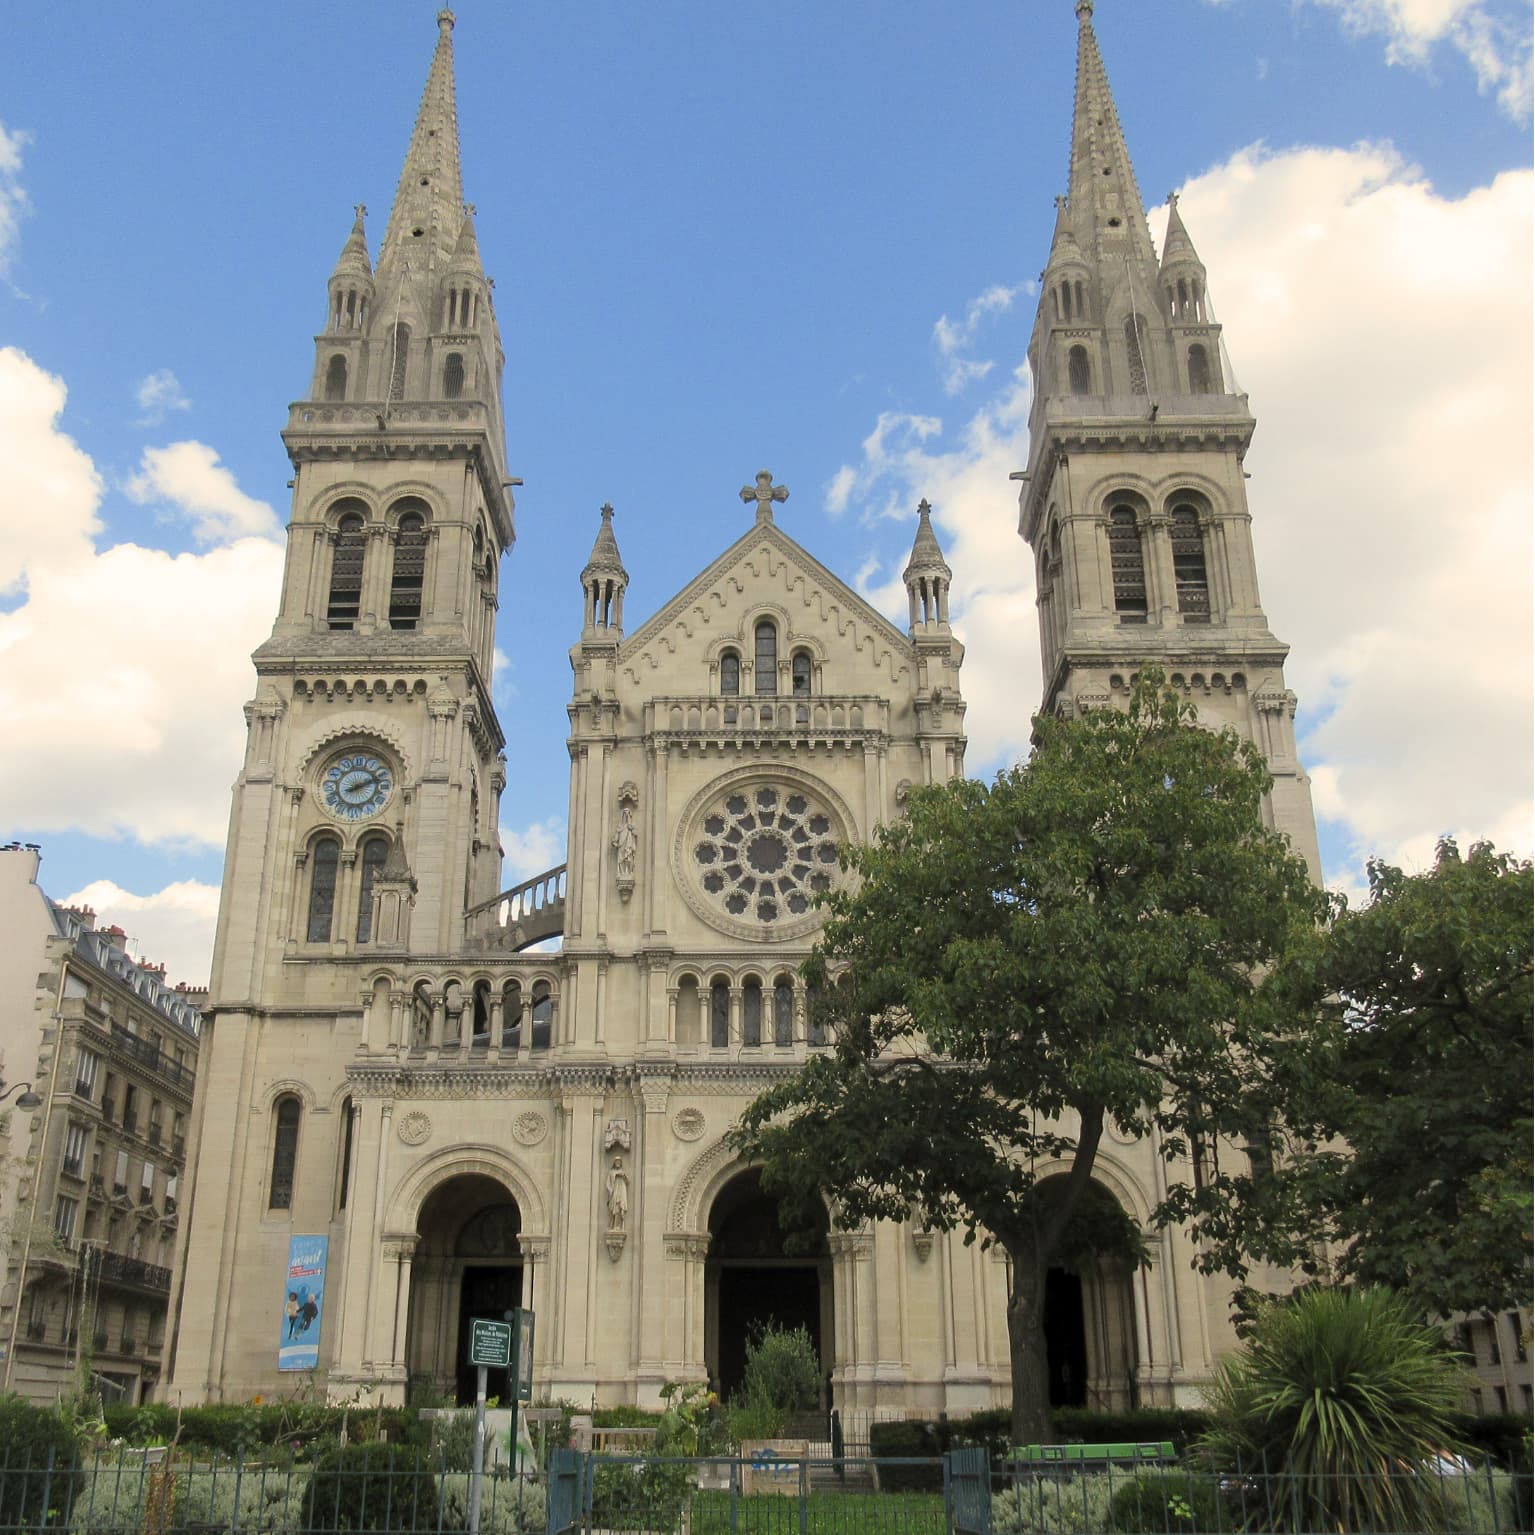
(481, 1098)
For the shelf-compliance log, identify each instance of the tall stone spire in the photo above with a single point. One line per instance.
(429, 203)
(927, 576)
(1103, 201)
(603, 584)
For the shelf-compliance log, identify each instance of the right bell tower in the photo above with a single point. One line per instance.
(1135, 499)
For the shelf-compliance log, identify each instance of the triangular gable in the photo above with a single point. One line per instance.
(850, 617)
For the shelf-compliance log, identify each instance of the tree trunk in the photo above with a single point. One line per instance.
(1026, 1354)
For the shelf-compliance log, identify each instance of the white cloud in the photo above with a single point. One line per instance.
(188, 477)
(532, 850)
(171, 927)
(953, 338)
(157, 394)
(123, 669)
(1383, 332)
(840, 489)
(1494, 43)
(14, 203)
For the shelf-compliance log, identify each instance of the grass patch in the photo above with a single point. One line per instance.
(826, 1513)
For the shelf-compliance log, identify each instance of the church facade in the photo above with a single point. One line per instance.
(423, 1097)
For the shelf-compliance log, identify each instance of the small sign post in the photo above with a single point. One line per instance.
(490, 1347)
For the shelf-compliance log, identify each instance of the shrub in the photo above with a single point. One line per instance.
(371, 1487)
(910, 1439)
(1066, 1505)
(1082, 1426)
(38, 1464)
(270, 1500)
(783, 1369)
(1348, 1395)
(640, 1495)
(509, 1505)
(1161, 1501)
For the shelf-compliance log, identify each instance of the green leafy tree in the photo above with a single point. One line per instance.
(1427, 1187)
(1015, 967)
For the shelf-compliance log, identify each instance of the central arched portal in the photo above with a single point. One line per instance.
(751, 1282)
(468, 1264)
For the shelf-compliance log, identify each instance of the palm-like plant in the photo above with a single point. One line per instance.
(1344, 1397)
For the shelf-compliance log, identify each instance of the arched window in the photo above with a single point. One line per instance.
(346, 1153)
(1199, 370)
(687, 1013)
(751, 1012)
(801, 673)
(719, 1014)
(1189, 566)
(335, 378)
(322, 889)
(284, 1153)
(453, 376)
(1128, 566)
(543, 1015)
(399, 356)
(346, 574)
(409, 573)
(730, 674)
(815, 1023)
(1135, 351)
(511, 1016)
(767, 657)
(374, 851)
(1080, 373)
(783, 1011)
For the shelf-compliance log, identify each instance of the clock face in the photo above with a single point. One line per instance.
(356, 786)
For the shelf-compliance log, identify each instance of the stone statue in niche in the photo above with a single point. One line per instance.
(618, 1196)
(626, 839)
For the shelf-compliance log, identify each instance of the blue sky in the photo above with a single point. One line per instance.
(793, 235)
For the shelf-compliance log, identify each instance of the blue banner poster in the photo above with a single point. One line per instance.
(303, 1296)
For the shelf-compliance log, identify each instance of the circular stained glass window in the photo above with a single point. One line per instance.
(763, 854)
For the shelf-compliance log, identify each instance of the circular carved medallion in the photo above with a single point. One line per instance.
(530, 1128)
(688, 1124)
(415, 1127)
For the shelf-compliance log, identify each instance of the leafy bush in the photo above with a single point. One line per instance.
(371, 1487)
(783, 1368)
(1066, 1505)
(241, 1427)
(1078, 1425)
(509, 1505)
(640, 1495)
(38, 1471)
(1161, 1501)
(910, 1439)
(270, 1501)
(1348, 1395)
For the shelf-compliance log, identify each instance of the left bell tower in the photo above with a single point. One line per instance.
(364, 818)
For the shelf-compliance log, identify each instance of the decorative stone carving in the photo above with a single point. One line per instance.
(414, 1128)
(616, 1136)
(626, 839)
(922, 1243)
(764, 493)
(614, 1241)
(618, 1197)
(902, 791)
(688, 1124)
(529, 1128)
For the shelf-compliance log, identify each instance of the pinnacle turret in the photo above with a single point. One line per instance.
(927, 575)
(603, 583)
(354, 260)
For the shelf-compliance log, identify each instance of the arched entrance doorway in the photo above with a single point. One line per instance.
(1090, 1342)
(468, 1264)
(750, 1281)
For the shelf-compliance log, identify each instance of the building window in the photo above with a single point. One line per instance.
(719, 1014)
(1079, 373)
(453, 376)
(399, 355)
(1521, 1349)
(1199, 370)
(346, 574)
(730, 674)
(1189, 566)
(87, 1064)
(120, 1174)
(374, 851)
(65, 1212)
(751, 1012)
(801, 673)
(815, 1022)
(147, 1183)
(783, 1011)
(284, 1154)
(1494, 1351)
(335, 378)
(346, 1152)
(543, 1016)
(1128, 566)
(322, 889)
(408, 577)
(76, 1138)
(131, 1109)
(767, 658)
(1135, 352)
(171, 1184)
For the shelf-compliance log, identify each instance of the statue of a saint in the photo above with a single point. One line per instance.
(618, 1196)
(627, 841)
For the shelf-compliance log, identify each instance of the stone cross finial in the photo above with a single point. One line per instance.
(764, 493)
(1172, 199)
(470, 210)
(606, 509)
(360, 210)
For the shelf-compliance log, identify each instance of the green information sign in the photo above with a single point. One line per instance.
(490, 1343)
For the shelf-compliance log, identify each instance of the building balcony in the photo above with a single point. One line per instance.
(826, 720)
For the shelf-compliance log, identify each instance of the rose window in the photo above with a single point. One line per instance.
(762, 853)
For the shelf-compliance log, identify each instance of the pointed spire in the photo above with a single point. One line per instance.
(603, 583)
(1064, 249)
(1177, 246)
(354, 259)
(605, 558)
(1107, 215)
(927, 575)
(926, 554)
(466, 253)
(428, 205)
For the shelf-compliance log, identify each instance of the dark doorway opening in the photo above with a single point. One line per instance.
(755, 1279)
(493, 1292)
(1065, 1339)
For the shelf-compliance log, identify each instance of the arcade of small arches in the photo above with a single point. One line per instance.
(762, 669)
(1201, 369)
(476, 1016)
